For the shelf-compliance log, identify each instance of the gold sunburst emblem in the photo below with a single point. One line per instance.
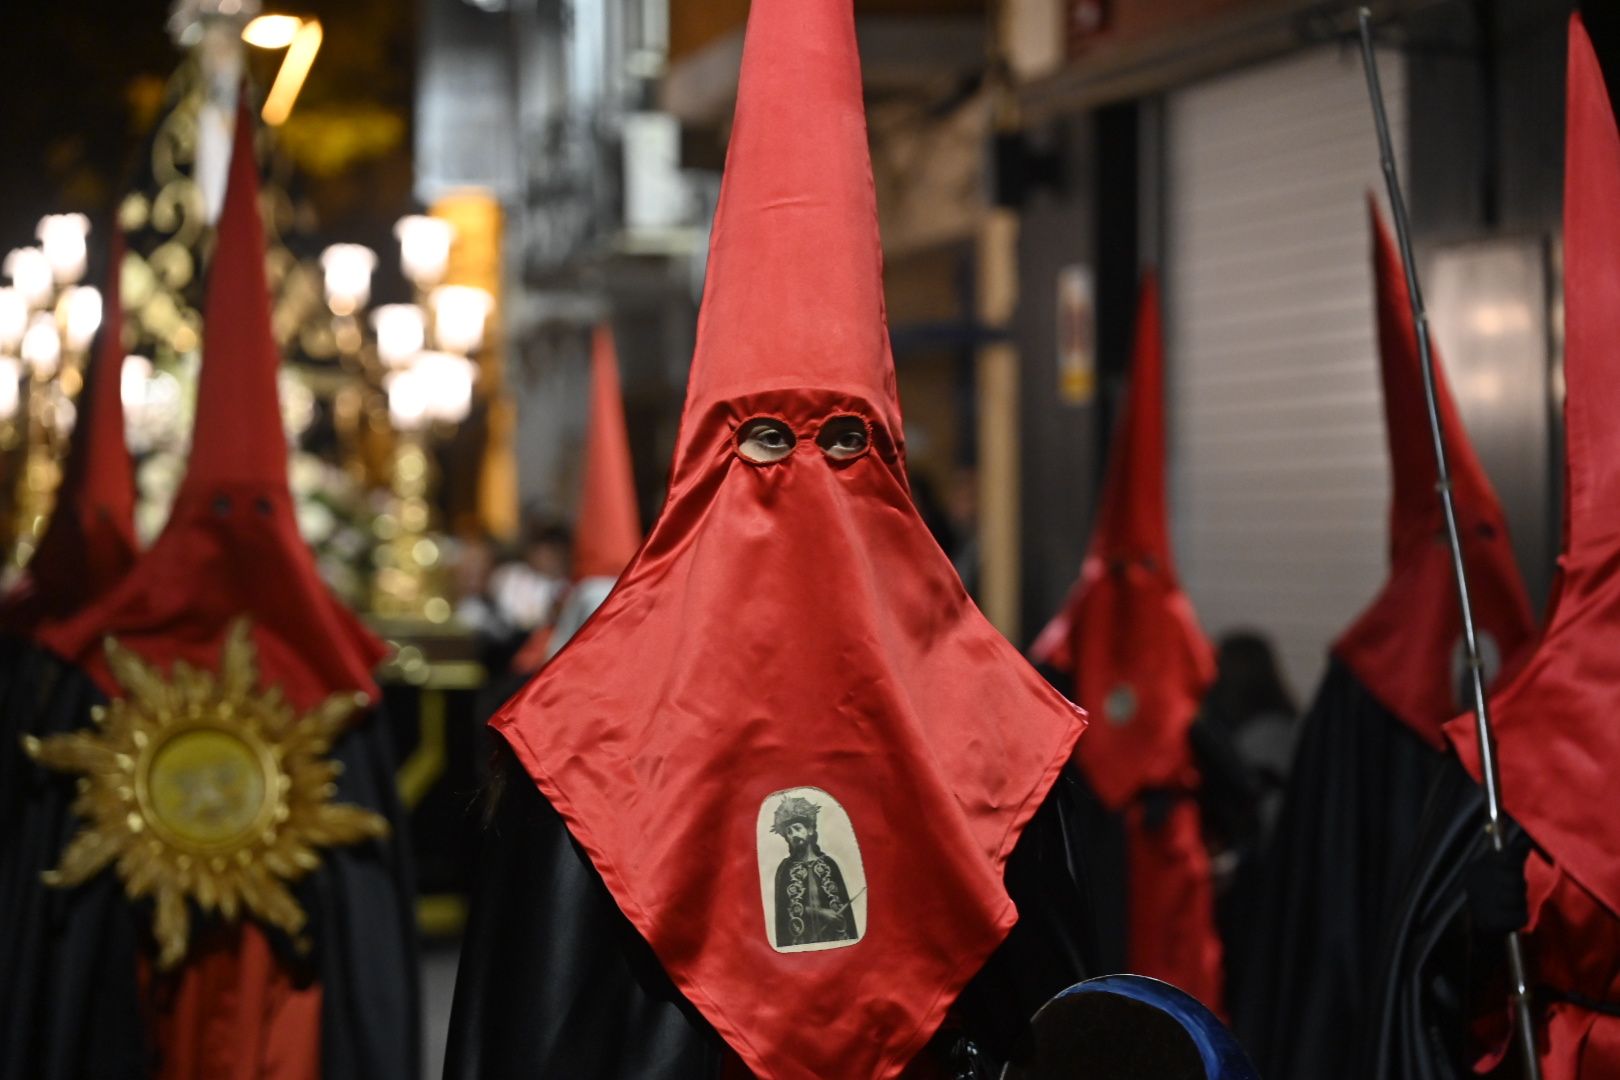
(203, 788)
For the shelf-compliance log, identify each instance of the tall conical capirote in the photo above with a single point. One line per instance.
(608, 531)
(231, 547)
(793, 293)
(1128, 635)
(1406, 647)
(89, 544)
(1133, 516)
(1557, 743)
(790, 628)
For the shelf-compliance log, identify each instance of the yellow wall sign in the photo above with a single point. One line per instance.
(1076, 335)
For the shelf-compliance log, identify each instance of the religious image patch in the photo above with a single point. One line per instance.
(810, 873)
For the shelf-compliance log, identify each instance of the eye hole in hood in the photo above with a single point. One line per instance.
(844, 438)
(764, 440)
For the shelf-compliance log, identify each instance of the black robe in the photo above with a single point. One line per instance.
(555, 981)
(70, 1006)
(1306, 963)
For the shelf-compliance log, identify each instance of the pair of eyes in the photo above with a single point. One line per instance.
(765, 439)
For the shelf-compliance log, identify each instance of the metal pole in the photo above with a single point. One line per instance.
(1482, 717)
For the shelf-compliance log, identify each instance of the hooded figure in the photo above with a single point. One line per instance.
(1129, 636)
(55, 987)
(1557, 745)
(233, 847)
(1371, 743)
(788, 631)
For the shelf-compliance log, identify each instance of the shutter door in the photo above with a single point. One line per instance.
(1279, 485)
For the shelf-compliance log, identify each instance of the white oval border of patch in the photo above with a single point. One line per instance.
(835, 835)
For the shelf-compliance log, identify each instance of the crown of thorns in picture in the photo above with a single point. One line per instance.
(788, 811)
(204, 788)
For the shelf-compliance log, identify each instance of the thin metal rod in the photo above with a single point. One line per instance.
(1482, 716)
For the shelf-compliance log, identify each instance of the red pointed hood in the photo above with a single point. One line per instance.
(1140, 662)
(1406, 648)
(803, 651)
(794, 290)
(231, 547)
(1127, 632)
(609, 530)
(1133, 519)
(1557, 741)
(89, 544)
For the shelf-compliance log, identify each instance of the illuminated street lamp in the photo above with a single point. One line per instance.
(271, 31)
(48, 323)
(348, 270)
(10, 388)
(13, 318)
(436, 388)
(62, 240)
(30, 275)
(401, 333)
(424, 248)
(42, 346)
(80, 317)
(459, 314)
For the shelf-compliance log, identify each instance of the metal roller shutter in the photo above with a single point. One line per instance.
(1279, 481)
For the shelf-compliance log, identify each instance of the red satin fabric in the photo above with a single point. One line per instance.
(1406, 647)
(89, 544)
(1172, 932)
(1142, 665)
(1575, 948)
(235, 1014)
(794, 625)
(609, 530)
(1558, 742)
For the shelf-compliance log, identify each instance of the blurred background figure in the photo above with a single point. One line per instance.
(527, 588)
(472, 564)
(609, 521)
(1250, 708)
(1244, 744)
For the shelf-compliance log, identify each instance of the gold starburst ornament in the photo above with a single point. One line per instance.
(204, 788)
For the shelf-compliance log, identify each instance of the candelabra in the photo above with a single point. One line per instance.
(417, 361)
(47, 322)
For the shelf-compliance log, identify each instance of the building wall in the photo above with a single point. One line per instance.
(1483, 163)
(1060, 460)
(694, 24)
(1486, 146)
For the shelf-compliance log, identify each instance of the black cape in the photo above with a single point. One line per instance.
(555, 981)
(1435, 971)
(70, 1006)
(1305, 964)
